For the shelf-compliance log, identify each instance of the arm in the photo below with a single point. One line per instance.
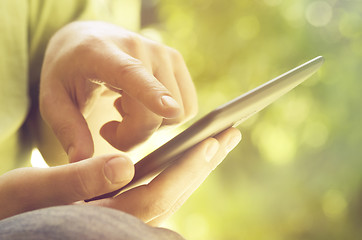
(148, 84)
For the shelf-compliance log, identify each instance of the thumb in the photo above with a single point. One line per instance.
(28, 189)
(66, 121)
(87, 179)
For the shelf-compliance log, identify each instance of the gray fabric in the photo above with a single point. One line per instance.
(81, 222)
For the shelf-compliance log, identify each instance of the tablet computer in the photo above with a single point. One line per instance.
(228, 115)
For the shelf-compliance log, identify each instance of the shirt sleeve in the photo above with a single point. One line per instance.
(47, 16)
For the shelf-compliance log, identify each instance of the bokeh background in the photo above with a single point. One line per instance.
(297, 172)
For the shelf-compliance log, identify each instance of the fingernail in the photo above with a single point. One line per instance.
(211, 150)
(169, 102)
(112, 170)
(233, 142)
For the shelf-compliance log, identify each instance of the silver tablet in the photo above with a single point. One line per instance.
(228, 115)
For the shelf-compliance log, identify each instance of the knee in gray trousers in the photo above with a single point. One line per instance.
(80, 222)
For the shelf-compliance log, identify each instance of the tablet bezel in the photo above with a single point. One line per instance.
(228, 115)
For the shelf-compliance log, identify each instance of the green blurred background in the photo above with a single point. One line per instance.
(297, 172)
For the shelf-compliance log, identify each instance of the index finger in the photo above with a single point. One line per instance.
(122, 71)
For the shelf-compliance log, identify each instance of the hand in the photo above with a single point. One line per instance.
(86, 62)
(28, 189)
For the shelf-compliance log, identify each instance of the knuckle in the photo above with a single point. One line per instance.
(166, 54)
(163, 59)
(63, 130)
(132, 41)
(175, 55)
(161, 50)
(80, 187)
(153, 89)
(130, 66)
(89, 44)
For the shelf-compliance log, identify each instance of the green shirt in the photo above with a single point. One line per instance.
(25, 29)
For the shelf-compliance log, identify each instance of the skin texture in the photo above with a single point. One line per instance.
(90, 69)
(27, 189)
(146, 82)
